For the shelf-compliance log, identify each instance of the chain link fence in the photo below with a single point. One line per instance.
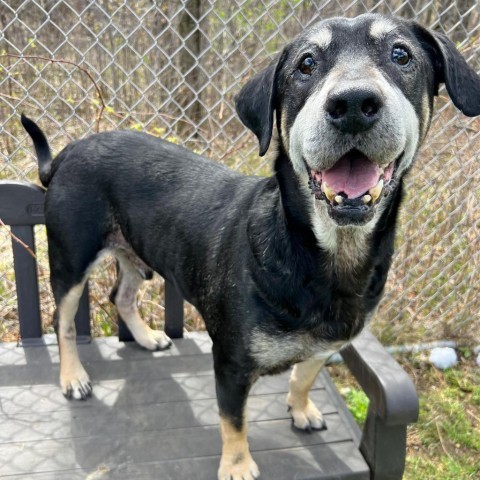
(171, 69)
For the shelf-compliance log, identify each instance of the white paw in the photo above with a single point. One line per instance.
(162, 339)
(239, 467)
(153, 339)
(75, 383)
(307, 417)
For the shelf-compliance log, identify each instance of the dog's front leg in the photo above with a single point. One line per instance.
(233, 384)
(305, 414)
(236, 462)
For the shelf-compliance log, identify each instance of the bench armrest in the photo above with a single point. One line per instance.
(393, 405)
(387, 385)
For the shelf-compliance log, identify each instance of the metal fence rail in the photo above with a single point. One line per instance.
(172, 68)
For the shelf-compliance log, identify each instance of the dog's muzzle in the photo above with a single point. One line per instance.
(352, 187)
(354, 110)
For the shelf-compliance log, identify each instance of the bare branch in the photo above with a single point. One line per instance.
(16, 239)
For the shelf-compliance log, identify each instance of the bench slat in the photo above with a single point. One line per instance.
(26, 282)
(155, 415)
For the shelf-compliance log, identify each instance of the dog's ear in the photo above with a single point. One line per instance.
(462, 82)
(255, 104)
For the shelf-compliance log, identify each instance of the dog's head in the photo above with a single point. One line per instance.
(353, 101)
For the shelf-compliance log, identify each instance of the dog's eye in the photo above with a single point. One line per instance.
(307, 66)
(400, 56)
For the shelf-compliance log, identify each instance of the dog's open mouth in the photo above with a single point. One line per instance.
(352, 187)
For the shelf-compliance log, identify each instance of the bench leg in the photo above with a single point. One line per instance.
(173, 311)
(384, 447)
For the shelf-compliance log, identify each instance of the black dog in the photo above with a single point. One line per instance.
(280, 276)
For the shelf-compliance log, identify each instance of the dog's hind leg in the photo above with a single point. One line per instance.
(74, 380)
(305, 414)
(131, 274)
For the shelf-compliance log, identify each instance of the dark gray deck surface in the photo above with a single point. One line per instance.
(153, 416)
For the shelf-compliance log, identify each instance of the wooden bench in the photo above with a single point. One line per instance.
(153, 414)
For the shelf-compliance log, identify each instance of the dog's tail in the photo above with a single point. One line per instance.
(44, 155)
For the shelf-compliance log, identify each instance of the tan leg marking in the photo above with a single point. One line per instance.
(305, 414)
(236, 462)
(74, 380)
(126, 303)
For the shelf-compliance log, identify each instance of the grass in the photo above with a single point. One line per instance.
(357, 402)
(445, 442)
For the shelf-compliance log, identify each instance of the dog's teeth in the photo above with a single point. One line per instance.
(329, 193)
(376, 190)
(366, 198)
(339, 199)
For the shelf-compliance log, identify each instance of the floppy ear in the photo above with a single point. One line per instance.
(255, 104)
(462, 82)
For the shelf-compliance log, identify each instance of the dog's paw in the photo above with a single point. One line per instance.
(154, 339)
(75, 383)
(161, 339)
(239, 467)
(307, 417)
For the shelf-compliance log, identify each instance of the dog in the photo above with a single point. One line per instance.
(284, 270)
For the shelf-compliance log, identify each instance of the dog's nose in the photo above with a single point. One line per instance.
(353, 110)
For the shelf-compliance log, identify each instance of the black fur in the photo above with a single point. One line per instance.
(42, 149)
(255, 105)
(462, 83)
(241, 249)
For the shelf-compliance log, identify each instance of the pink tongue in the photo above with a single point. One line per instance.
(354, 174)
